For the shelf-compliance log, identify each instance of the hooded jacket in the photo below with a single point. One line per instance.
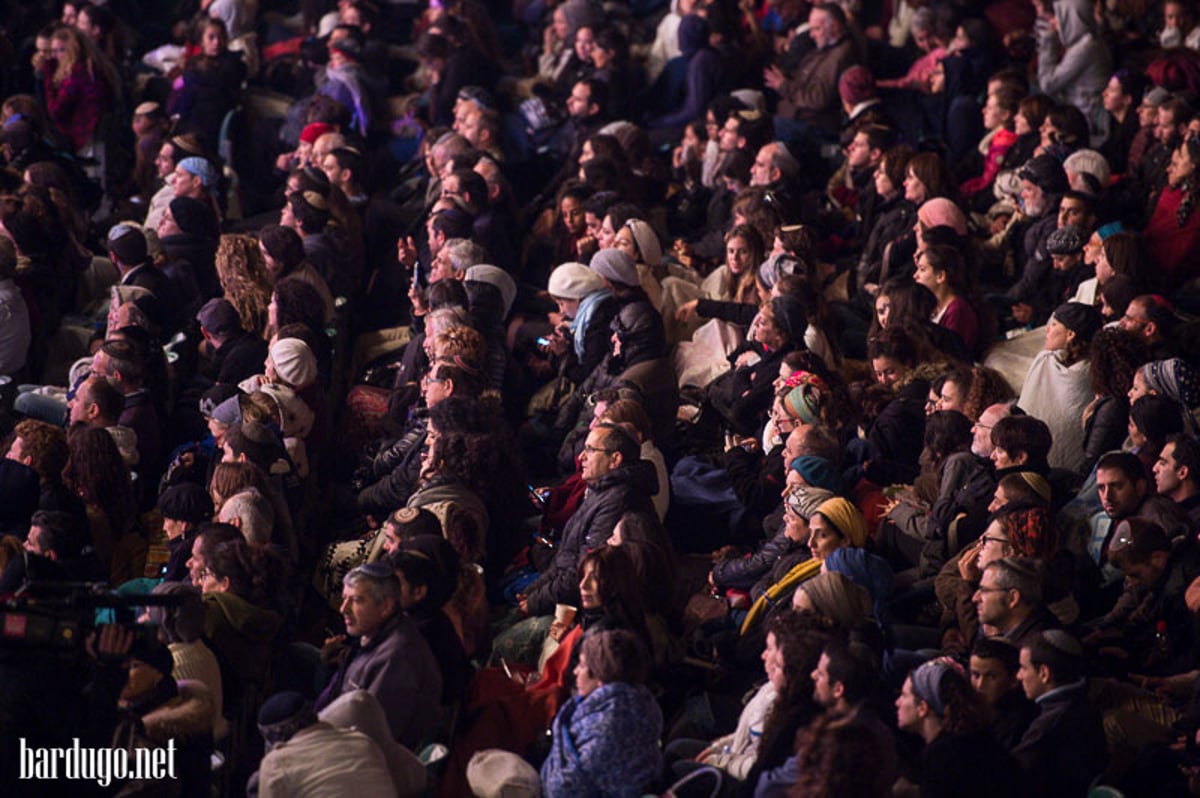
(1074, 64)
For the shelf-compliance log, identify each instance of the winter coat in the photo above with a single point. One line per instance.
(1074, 64)
(241, 634)
(951, 761)
(1064, 748)
(605, 744)
(396, 470)
(184, 721)
(398, 668)
(966, 485)
(743, 572)
(627, 488)
(1104, 429)
(897, 437)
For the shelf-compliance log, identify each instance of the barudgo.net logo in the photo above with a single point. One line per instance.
(101, 765)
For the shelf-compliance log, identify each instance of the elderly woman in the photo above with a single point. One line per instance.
(1057, 388)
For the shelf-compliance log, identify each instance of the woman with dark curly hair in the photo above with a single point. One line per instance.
(766, 730)
(240, 582)
(830, 755)
(96, 472)
(244, 279)
(938, 703)
(283, 254)
(1115, 358)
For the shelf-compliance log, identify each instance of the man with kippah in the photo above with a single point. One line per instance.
(1064, 748)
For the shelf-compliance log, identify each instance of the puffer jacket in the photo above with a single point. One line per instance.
(744, 572)
(627, 488)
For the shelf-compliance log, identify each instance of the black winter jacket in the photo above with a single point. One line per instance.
(627, 488)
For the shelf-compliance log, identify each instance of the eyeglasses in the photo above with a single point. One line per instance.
(992, 589)
(1131, 320)
(589, 449)
(995, 539)
(429, 379)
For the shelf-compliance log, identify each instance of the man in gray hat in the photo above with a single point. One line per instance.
(231, 354)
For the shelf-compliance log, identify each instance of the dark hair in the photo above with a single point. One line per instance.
(297, 302)
(622, 596)
(61, 532)
(800, 640)
(895, 164)
(1059, 652)
(948, 260)
(98, 474)
(312, 219)
(1187, 454)
(1157, 417)
(931, 170)
(893, 343)
(1071, 124)
(283, 244)
(1025, 435)
(981, 387)
(1118, 292)
(849, 666)
(255, 573)
(947, 432)
(1035, 108)
(1115, 357)
(256, 441)
(420, 571)
(999, 649)
(832, 756)
(1135, 545)
(621, 442)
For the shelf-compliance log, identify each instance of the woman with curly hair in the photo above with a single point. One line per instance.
(283, 252)
(766, 730)
(971, 391)
(244, 279)
(938, 703)
(80, 83)
(1115, 357)
(830, 755)
(96, 472)
(241, 583)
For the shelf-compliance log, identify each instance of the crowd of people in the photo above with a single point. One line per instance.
(759, 398)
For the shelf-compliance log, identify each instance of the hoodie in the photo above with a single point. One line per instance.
(1074, 64)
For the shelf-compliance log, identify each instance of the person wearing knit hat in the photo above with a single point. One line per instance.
(616, 267)
(941, 212)
(1081, 322)
(291, 361)
(1045, 174)
(494, 276)
(191, 217)
(1087, 171)
(1068, 240)
(804, 500)
(314, 131)
(837, 523)
(573, 281)
(818, 472)
(856, 86)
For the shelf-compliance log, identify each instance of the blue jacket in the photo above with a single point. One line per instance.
(605, 744)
